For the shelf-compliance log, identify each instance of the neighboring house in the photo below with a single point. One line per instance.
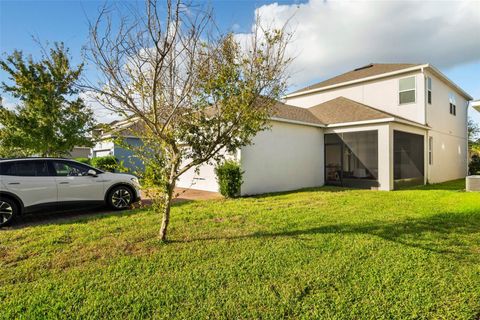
(379, 126)
(476, 105)
(80, 152)
(107, 145)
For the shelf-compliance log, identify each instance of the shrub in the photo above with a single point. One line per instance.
(474, 166)
(229, 177)
(151, 177)
(107, 163)
(83, 160)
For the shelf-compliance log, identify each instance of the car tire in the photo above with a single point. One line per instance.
(120, 198)
(8, 211)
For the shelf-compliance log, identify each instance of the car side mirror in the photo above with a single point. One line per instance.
(91, 173)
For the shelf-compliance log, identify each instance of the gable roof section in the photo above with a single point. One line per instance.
(282, 111)
(370, 70)
(476, 105)
(338, 111)
(343, 110)
(375, 71)
(333, 112)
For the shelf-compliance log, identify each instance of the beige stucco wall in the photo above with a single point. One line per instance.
(449, 133)
(449, 158)
(381, 94)
(287, 157)
(204, 178)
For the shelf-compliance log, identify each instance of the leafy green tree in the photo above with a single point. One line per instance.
(473, 139)
(49, 118)
(194, 94)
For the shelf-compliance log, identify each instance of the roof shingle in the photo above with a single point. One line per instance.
(359, 73)
(335, 111)
(343, 110)
(288, 112)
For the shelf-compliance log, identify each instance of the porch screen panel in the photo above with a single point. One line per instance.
(361, 154)
(408, 155)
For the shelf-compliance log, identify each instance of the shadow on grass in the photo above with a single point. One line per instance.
(298, 191)
(448, 233)
(454, 185)
(79, 215)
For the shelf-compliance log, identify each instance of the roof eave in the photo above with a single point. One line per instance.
(476, 105)
(377, 121)
(342, 84)
(439, 74)
(361, 122)
(311, 124)
(384, 75)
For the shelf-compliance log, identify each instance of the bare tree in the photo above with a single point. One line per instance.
(196, 94)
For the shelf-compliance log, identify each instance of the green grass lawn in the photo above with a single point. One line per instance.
(319, 253)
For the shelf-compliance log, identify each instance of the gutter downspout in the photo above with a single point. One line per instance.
(427, 142)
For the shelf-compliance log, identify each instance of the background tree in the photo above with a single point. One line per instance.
(473, 137)
(49, 119)
(196, 94)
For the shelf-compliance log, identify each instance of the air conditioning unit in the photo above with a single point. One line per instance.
(473, 183)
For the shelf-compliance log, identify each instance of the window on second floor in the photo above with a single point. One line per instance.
(406, 90)
(453, 104)
(429, 90)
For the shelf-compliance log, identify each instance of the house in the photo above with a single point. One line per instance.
(107, 145)
(79, 152)
(379, 126)
(476, 105)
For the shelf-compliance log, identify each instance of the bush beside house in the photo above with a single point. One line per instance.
(229, 177)
(107, 163)
(474, 166)
(83, 160)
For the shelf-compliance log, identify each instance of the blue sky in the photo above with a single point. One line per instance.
(333, 36)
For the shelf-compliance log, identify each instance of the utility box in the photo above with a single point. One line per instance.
(473, 183)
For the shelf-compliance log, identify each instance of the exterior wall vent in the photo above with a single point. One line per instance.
(364, 67)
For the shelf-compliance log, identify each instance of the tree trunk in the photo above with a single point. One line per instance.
(166, 210)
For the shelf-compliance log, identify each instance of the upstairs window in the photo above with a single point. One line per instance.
(453, 105)
(406, 90)
(429, 90)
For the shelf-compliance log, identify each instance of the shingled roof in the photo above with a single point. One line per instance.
(343, 110)
(284, 111)
(335, 111)
(370, 70)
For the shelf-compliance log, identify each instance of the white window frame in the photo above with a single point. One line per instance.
(400, 91)
(430, 150)
(429, 90)
(452, 101)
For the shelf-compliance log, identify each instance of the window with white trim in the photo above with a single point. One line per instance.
(430, 150)
(453, 104)
(406, 90)
(429, 90)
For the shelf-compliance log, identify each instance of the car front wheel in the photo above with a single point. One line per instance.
(8, 211)
(120, 198)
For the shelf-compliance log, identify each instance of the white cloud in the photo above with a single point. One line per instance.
(9, 103)
(101, 114)
(332, 37)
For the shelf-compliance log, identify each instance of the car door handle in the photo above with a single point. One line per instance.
(64, 182)
(13, 183)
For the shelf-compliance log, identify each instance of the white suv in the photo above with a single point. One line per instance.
(32, 184)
